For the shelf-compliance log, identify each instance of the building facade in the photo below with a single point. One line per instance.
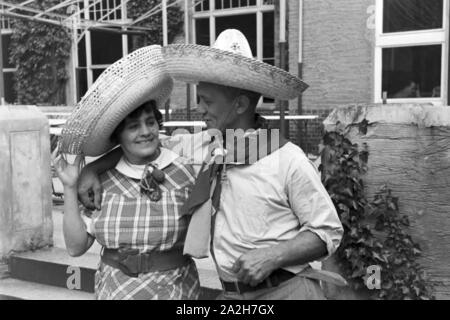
(353, 51)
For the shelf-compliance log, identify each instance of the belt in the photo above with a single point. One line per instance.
(133, 263)
(281, 275)
(274, 280)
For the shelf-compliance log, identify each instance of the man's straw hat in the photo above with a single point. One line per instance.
(121, 88)
(230, 62)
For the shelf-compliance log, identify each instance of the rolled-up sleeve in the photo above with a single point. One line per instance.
(311, 203)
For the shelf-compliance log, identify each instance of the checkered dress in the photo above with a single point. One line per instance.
(130, 219)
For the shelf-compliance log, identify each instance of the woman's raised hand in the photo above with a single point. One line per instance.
(67, 173)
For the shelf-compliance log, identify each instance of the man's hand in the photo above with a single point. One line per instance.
(256, 265)
(90, 189)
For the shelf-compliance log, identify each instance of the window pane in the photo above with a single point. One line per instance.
(407, 15)
(10, 93)
(81, 82)
(6, 40)
(106, 47)
(410, 72)
(268, 36)
(246, 23)
(202, 31)
(82, 52)
(97, 73)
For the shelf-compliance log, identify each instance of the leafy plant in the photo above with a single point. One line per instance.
(375, 233)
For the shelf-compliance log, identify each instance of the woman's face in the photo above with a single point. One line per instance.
(139, 138)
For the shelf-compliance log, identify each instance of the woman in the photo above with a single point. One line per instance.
(141, 225)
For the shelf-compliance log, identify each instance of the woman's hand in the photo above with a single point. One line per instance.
(67, 173)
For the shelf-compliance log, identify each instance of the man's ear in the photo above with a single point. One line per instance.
(243, 104)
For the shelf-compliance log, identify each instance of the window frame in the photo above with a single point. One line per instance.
(212, 13)
(259, 9)
(88, 46)
(410, 39)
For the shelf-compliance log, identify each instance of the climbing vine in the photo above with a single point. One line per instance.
(375, 233)
(40, 51)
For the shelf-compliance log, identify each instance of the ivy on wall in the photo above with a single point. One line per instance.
(40, 51)
(375, 233)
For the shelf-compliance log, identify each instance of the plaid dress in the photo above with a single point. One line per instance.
(130, 219)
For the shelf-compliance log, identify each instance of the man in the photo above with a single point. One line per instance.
(272, 216)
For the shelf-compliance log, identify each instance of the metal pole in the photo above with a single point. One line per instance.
(2, 80)
(282, 60)
(165, 43)
(282, 102)
(186, 38)
(164, 22)
(300, 74)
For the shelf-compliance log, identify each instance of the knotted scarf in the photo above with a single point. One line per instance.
(205, 197)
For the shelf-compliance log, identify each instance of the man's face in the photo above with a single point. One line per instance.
(216, 106)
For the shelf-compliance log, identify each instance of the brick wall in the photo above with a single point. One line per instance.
(338, 51)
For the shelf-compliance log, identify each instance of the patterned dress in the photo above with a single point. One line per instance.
(130, 219)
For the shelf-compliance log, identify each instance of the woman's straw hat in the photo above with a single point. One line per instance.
(120, 89)
(230, 62)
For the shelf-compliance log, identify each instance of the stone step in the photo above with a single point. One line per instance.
(54, 267)
(14, 289)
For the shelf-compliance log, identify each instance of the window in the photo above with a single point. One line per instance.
(254, 18)
(411, 51)
(8, 68)
(97, 49)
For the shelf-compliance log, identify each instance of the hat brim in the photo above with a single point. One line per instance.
(196, 63)
(120, 89)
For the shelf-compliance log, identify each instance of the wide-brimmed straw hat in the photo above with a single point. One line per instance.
(121, 88)
(230, 62)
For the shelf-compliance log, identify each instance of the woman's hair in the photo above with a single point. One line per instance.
(148, 107)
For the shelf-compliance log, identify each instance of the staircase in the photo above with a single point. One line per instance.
(51, 274)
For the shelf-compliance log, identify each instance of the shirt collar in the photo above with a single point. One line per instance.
(136, 171)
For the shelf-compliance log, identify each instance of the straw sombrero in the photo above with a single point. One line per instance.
(120, 89)
(230, 62)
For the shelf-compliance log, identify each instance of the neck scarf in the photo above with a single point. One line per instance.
(150, 174)
(205, 197)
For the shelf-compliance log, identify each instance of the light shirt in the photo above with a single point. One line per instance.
(136, 171)
(264, 204)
